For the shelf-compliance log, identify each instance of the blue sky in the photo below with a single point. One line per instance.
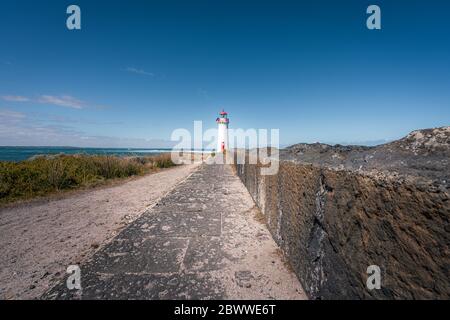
(140, 69)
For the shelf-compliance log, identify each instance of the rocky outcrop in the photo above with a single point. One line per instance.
(335, 210)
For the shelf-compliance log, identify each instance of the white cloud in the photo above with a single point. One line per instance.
(62, 101)
(10, 116)
(15, 98)
(139, 71)
(18, 129)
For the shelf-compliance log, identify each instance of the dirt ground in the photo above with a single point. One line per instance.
(39, 239)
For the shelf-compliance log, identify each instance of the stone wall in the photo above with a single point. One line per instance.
(333, 224)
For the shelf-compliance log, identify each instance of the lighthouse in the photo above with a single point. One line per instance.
(222, 132)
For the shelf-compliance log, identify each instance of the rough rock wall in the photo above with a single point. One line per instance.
(333, 224)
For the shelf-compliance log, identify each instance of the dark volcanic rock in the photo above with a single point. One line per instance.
(422, 154)
(335, 210)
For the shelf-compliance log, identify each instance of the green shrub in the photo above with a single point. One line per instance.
(163, 161)
(48, 174)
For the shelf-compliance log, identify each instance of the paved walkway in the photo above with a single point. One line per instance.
(204, 240)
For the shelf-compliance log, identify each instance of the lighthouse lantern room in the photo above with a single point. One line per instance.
(222, 134)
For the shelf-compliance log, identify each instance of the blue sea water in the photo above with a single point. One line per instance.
(24, 153)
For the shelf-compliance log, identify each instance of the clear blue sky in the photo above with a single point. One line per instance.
(140, 69)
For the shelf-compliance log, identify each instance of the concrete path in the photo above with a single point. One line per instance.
(204, 240)
(40, 238)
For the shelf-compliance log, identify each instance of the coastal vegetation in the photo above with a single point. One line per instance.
(45, 175)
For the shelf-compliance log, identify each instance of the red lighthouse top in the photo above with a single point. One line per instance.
(223, 117)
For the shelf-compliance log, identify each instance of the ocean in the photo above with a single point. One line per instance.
(23, 153)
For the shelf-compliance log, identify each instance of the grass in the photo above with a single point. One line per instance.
(46, 175)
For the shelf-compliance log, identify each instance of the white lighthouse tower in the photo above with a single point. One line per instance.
(222, 135)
